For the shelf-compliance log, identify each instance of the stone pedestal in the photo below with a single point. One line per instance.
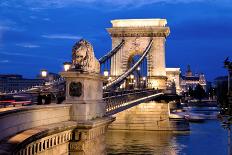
(89, 138)
(84, 92)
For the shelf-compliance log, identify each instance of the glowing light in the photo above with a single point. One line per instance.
(144, 78)
(110, 78)
(44, 73)
(67, 66)
(106, 73)
(138, 68)
(132, 76)
(156, 84)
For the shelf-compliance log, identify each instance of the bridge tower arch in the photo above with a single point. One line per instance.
(137, 33)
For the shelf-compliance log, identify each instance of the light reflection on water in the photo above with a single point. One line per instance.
(138, 142)
(204, 139)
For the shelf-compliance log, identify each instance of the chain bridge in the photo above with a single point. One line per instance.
(126, 89)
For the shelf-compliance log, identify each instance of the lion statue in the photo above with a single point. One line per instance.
(83, 57)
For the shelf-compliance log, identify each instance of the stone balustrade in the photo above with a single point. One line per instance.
(54, 144)
(23, 118)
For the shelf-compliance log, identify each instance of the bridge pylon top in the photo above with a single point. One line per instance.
(139, 28)
(155, 22)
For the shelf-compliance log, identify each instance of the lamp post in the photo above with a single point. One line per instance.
(144, 81)
(106, 73)
(144, 78)
(67, 66)
(44, 73)
(132, 76)
(131, 81)
(228, 66)
(229, 77)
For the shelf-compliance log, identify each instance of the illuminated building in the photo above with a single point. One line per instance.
(189, 80)
(12, 82)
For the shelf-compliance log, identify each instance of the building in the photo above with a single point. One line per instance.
(12, 82)
(173, 76)
(192, 80)
(49, 77)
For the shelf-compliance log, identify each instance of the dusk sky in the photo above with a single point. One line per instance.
(38, 34)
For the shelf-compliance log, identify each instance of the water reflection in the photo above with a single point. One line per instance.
(207, 138)
(142, 142)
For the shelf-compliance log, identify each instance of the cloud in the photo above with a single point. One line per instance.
(32, 56)
(123, 3)
(27, 45)
(62, 36)
(4, 61)
(46, 19)
(40, 4)
(8, 25)
(33, 17)
(3, 27)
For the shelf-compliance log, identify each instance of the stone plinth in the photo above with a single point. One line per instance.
(89, 137)
(87, 104)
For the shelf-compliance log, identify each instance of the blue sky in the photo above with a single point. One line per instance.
(37, 34)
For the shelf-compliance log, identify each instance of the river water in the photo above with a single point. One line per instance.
(207, 138)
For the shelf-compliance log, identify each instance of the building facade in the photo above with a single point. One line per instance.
(14, 82)
(190, 80)
(173, 77)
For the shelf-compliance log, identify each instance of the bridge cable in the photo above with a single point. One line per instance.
(122, 77)
(111, 53)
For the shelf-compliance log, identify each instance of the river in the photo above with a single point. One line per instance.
(207, 138)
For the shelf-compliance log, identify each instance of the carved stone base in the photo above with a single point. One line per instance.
(89, 138)
(84, 92)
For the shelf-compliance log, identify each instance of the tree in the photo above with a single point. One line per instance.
(199, 92)
(190, 91)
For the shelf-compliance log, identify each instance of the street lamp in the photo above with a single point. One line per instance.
(138, 68)
(44, 73)
(144, 78)
(67, 66)
(132, 76)
(106, 73)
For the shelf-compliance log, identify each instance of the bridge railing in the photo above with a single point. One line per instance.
(115, 100)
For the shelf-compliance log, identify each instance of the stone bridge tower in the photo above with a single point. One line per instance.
(137, 33)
